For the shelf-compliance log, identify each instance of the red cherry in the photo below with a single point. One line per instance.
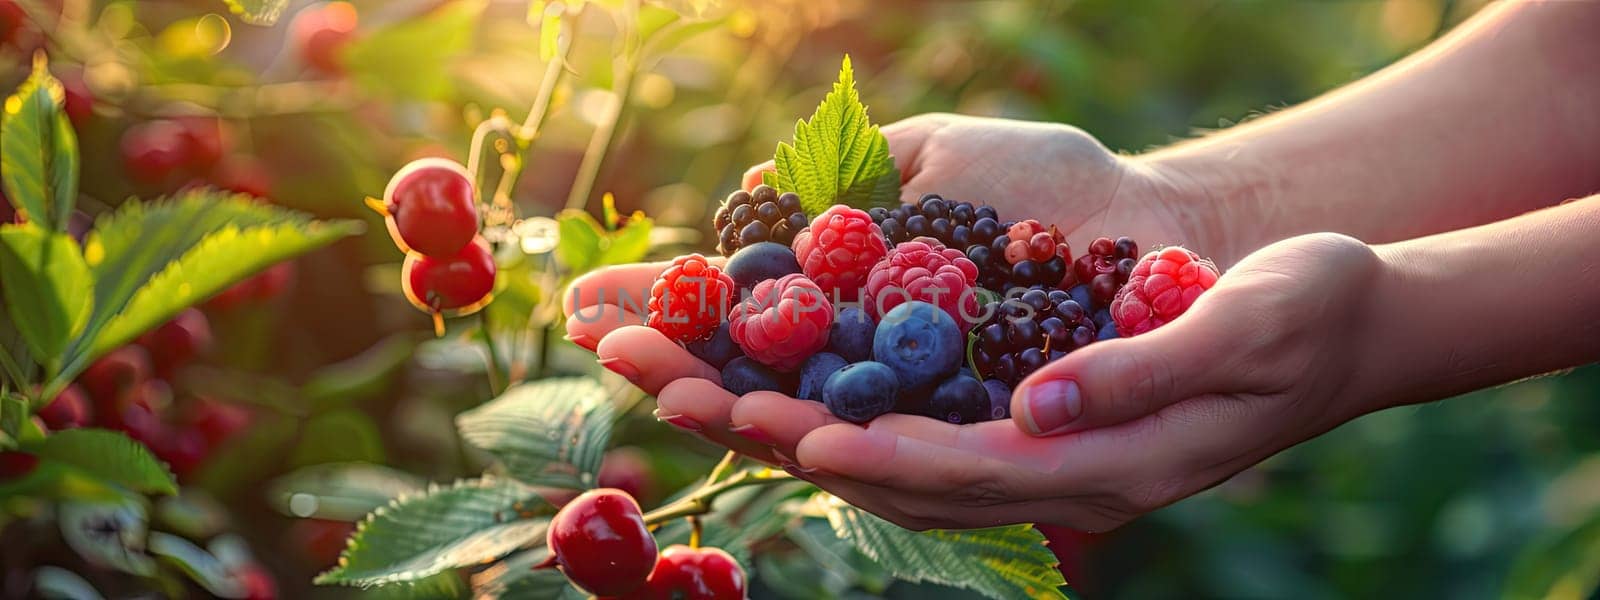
(453, 283)
(601, 543)
(177, 342)
(115, 373)
(432, 207)
(15, 464)
(627, 469)
(321, 32)
(243, 174)
(152, 152)
(205, 139)
(70, 409)
(690, 574)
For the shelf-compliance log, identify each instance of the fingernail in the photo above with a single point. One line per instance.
(783, 459)
(679, 421)
(1051, 405)
(797, 470)
(754, 434)
(620, 367)
(583, 341)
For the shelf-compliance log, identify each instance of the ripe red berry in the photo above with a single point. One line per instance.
(600, 541)
(176, 343)
(114, 374)
(70, 409)
(79, 99)
(1042, 246)
(272, 282)
(258, 582)
(1163, 285)
(689, 299)
(839, 249)
(154, 151)
(783, 322)
(183, 448)
(321, 32)
(924, 270)
(218, 421)
(684, 573)
(459, 282)
(431, 207)
(205, 140)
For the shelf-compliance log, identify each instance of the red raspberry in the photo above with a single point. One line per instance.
(689, 299)
(1165, 283)
(923, 269)
(839, 249)
(783, 322)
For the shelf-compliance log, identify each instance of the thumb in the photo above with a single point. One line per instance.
(1120, 380)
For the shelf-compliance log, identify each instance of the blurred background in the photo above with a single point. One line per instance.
(322, 361)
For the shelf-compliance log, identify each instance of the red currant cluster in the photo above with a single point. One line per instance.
(431, 210)
(130, 390)
(191, 151)
(602, 544)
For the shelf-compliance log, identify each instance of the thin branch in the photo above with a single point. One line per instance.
(699, 502)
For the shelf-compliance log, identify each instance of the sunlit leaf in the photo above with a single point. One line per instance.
(1565, 565)
(47, 288)
(109, 456)
(412, 58)
(344, 491)
(56, 582)
(258, 12)
(579, 245)
(464, 524)
(839, 156)
(551, 432)
(515, 577)
(39, 151)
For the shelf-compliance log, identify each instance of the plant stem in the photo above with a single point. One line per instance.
(494, 353)
(624, 68)
(699, 502)
(722, 466)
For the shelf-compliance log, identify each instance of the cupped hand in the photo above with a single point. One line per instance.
(1264, 360)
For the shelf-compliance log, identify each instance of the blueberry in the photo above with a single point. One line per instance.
(959, 400)
(1080, 294)
(744, 375)
(1108, 332)
(1102, 318)
(920, 343)
(861, 391)
(815, 372)
(759, 262)
(716, 350)
(851, 334)
(999, 399)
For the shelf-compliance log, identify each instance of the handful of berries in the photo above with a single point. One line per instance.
(937, 308)
(430, 208)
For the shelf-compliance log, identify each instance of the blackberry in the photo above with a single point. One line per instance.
(1026, 332)
(759, 215)
(932, 216)
(1106, 267)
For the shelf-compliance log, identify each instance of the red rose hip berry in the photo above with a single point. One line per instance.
(839, 249)
(689, 299)
(783, 322)
(431, 207)
(1163, 285)
(600, 542)
(458, 284)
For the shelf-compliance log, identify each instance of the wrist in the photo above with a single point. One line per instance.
(1222, 200)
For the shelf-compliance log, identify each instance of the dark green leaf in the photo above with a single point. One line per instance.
(362, 376)
(198, 564)
(414, 537)
(551, 432)
(108, 456)
(258, 12)
(413, 58)
(39, 151)
(108, 533)
(342, 492)
(998, 562)
(839, 156)
(47, 288)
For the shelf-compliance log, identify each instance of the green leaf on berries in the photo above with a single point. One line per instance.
(107, 456)
(839, 156)
(151, 260)
(465, 524)
(515, 577)
(47, 288)
(257, 12)
(413, 58)
(39, 151)
(198, 564)
(998, 562)
(548, 433)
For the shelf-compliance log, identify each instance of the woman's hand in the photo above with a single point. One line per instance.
(1261, 362)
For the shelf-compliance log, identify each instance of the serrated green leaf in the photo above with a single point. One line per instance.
(106, 455)
(152, 260)
(47, 288)
(108, 533)
(1564, 565)
(465, 524)
(628, 244)
(434, 587)
(198, 564)
(39, 151)
(998, 562)
(342, 492)
(838, 156)
(257, 12)
(412, 58)
(516, 578)
(549, 433)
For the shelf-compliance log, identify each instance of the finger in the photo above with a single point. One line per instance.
(649, 360)
(627, 286)
(591, 324)
(778, 421)
(701, 406)
(752, 176)
(884, 458)
(1119, 380)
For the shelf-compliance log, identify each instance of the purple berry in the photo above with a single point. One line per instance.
(861, 391)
